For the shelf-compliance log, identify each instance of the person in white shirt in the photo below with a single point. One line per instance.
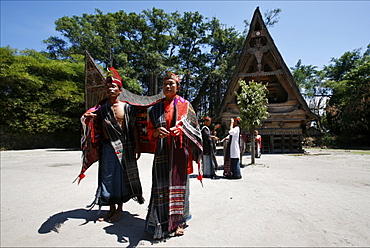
(231, 163)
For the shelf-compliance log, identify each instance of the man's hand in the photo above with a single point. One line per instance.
(231, 123)
(90, 115)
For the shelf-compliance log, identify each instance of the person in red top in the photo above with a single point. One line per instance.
(174, 131)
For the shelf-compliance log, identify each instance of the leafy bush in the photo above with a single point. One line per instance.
(38, 94)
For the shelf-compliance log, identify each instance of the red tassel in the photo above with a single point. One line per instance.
(80, 177)
(200, 175)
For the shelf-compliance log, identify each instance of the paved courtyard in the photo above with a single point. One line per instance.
(320, 199)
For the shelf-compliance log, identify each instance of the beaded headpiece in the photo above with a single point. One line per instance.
(170, 75)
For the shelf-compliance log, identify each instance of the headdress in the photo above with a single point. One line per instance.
(207, 118)
(113, 74)
(170, 75)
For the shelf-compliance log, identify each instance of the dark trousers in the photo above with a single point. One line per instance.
(235, 168)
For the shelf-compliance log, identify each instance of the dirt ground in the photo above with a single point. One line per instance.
(318, 199)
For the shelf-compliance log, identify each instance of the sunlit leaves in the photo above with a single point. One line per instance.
(341, 91)
(348, 110)
(252, 102)
(39, 94)
(144, 45)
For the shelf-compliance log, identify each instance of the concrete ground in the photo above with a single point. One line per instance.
(317, 200)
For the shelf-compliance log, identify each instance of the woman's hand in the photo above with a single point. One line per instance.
(137, 152)
(175, 131)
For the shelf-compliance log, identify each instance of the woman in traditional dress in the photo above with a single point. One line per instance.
(174, 130)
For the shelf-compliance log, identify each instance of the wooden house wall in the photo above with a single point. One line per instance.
(94, 82)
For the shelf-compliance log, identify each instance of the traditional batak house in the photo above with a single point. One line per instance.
(260, 60)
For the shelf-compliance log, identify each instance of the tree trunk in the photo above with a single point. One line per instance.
(253, 150)
(152, 83)
(195, 103)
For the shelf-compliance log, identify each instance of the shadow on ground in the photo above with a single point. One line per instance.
(129, 229)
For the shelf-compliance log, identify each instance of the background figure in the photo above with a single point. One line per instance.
(258, 140)
(243, 147)
(209, 165)
(174, 130)
(231, 163)
(110, 136)
(214, 147)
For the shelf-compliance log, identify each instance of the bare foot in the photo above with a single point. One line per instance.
(108, 215)
(179, 231)
(116, 216)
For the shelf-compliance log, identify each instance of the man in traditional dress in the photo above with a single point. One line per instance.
(110, 136)
(231, 161)
(209, 157)
(174, 130)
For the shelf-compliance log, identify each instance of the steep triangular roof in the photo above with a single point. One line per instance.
(260, 60)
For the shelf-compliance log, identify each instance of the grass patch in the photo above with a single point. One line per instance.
(361, 152)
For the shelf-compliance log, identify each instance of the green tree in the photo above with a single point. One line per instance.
(339, 94)
(314, 89)
(348, 109)
(135, 44)
(225, 46)
(56, 47)
(100, 36)
(252, 102)
(38, 94)
(338, 67)
(142, 46)
(153, 48)
(191, 33)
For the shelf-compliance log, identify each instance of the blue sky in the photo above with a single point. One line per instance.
(313, 31)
